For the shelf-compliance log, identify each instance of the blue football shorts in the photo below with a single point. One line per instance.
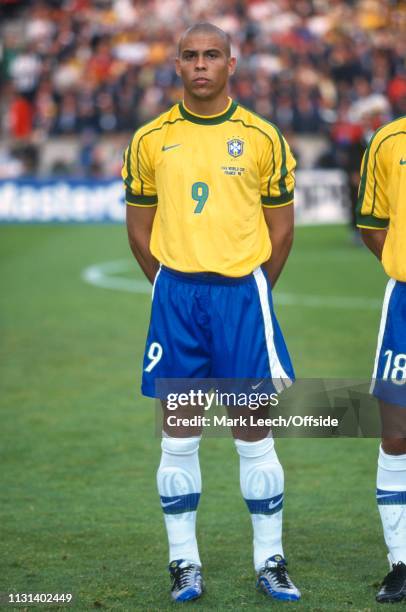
(389, 376)
(208, 326)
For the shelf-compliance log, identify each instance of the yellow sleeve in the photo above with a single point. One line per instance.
(373, 206)
(277, 166)
(138, 173)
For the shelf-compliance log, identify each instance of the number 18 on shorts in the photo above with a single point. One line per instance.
(389, 377)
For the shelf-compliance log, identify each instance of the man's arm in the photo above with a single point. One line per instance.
(139, 228)
(374, 239)
(280, 226)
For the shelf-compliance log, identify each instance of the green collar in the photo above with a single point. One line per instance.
(211, 119)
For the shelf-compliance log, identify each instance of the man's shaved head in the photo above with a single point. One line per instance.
(205, 65)
(207, 28)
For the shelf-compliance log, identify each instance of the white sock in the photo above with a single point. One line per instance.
(179, 486)
(261, 480)
(391, 498)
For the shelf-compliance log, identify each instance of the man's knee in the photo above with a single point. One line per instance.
(252, 427)
(393, 418)
(180, 423)
(394, 446)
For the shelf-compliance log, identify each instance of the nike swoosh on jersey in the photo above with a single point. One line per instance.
(273, 504)
(169, 503)
(402, 161)
(166, 148)
(253, 387)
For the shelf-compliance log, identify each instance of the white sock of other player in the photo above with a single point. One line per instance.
(391, 498)
(179, 486)
(262, 483)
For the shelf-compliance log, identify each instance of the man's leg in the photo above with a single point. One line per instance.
(391, 499)
(252, 347)
(262, 486)
(179, 487)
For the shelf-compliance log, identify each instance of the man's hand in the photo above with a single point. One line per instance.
(374, 239)
(280, 226)
(139, 228)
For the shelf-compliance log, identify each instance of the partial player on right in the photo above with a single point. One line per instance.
(381, 216)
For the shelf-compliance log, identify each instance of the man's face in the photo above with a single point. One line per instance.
(204, 66)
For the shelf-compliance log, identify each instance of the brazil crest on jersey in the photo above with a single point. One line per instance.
(209, 178)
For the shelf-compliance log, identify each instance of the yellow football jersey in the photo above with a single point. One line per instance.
(382, 193)
(209, 177)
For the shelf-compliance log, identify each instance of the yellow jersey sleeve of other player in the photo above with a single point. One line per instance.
(277, 166)
(382, 194)
(138, 170)
(210, 177)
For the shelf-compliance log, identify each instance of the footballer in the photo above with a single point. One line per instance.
(381, 216)
(209, 191)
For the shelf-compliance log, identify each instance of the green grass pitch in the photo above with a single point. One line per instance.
(79, 510)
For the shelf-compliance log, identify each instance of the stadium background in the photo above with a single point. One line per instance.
(79, 509)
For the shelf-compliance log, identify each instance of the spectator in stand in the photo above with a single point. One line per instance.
(66, 121)
(20, 116)
(397, 94)
(107, 66)
(349, 137)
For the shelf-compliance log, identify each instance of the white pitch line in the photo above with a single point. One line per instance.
(102, 275)
(105, 275)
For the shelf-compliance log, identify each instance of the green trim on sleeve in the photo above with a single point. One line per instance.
(285, 198)
(284, 170)
(131, 198)
(278, 205)
(141, 205)
(130, 177)
(363, 181)
(368, 227)
(369, 221)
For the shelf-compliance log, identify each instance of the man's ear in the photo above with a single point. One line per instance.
(177, 66)
(232, 65)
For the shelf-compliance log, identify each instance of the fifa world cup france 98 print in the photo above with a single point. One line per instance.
(203, 305)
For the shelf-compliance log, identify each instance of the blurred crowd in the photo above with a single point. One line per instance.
(106, 66)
